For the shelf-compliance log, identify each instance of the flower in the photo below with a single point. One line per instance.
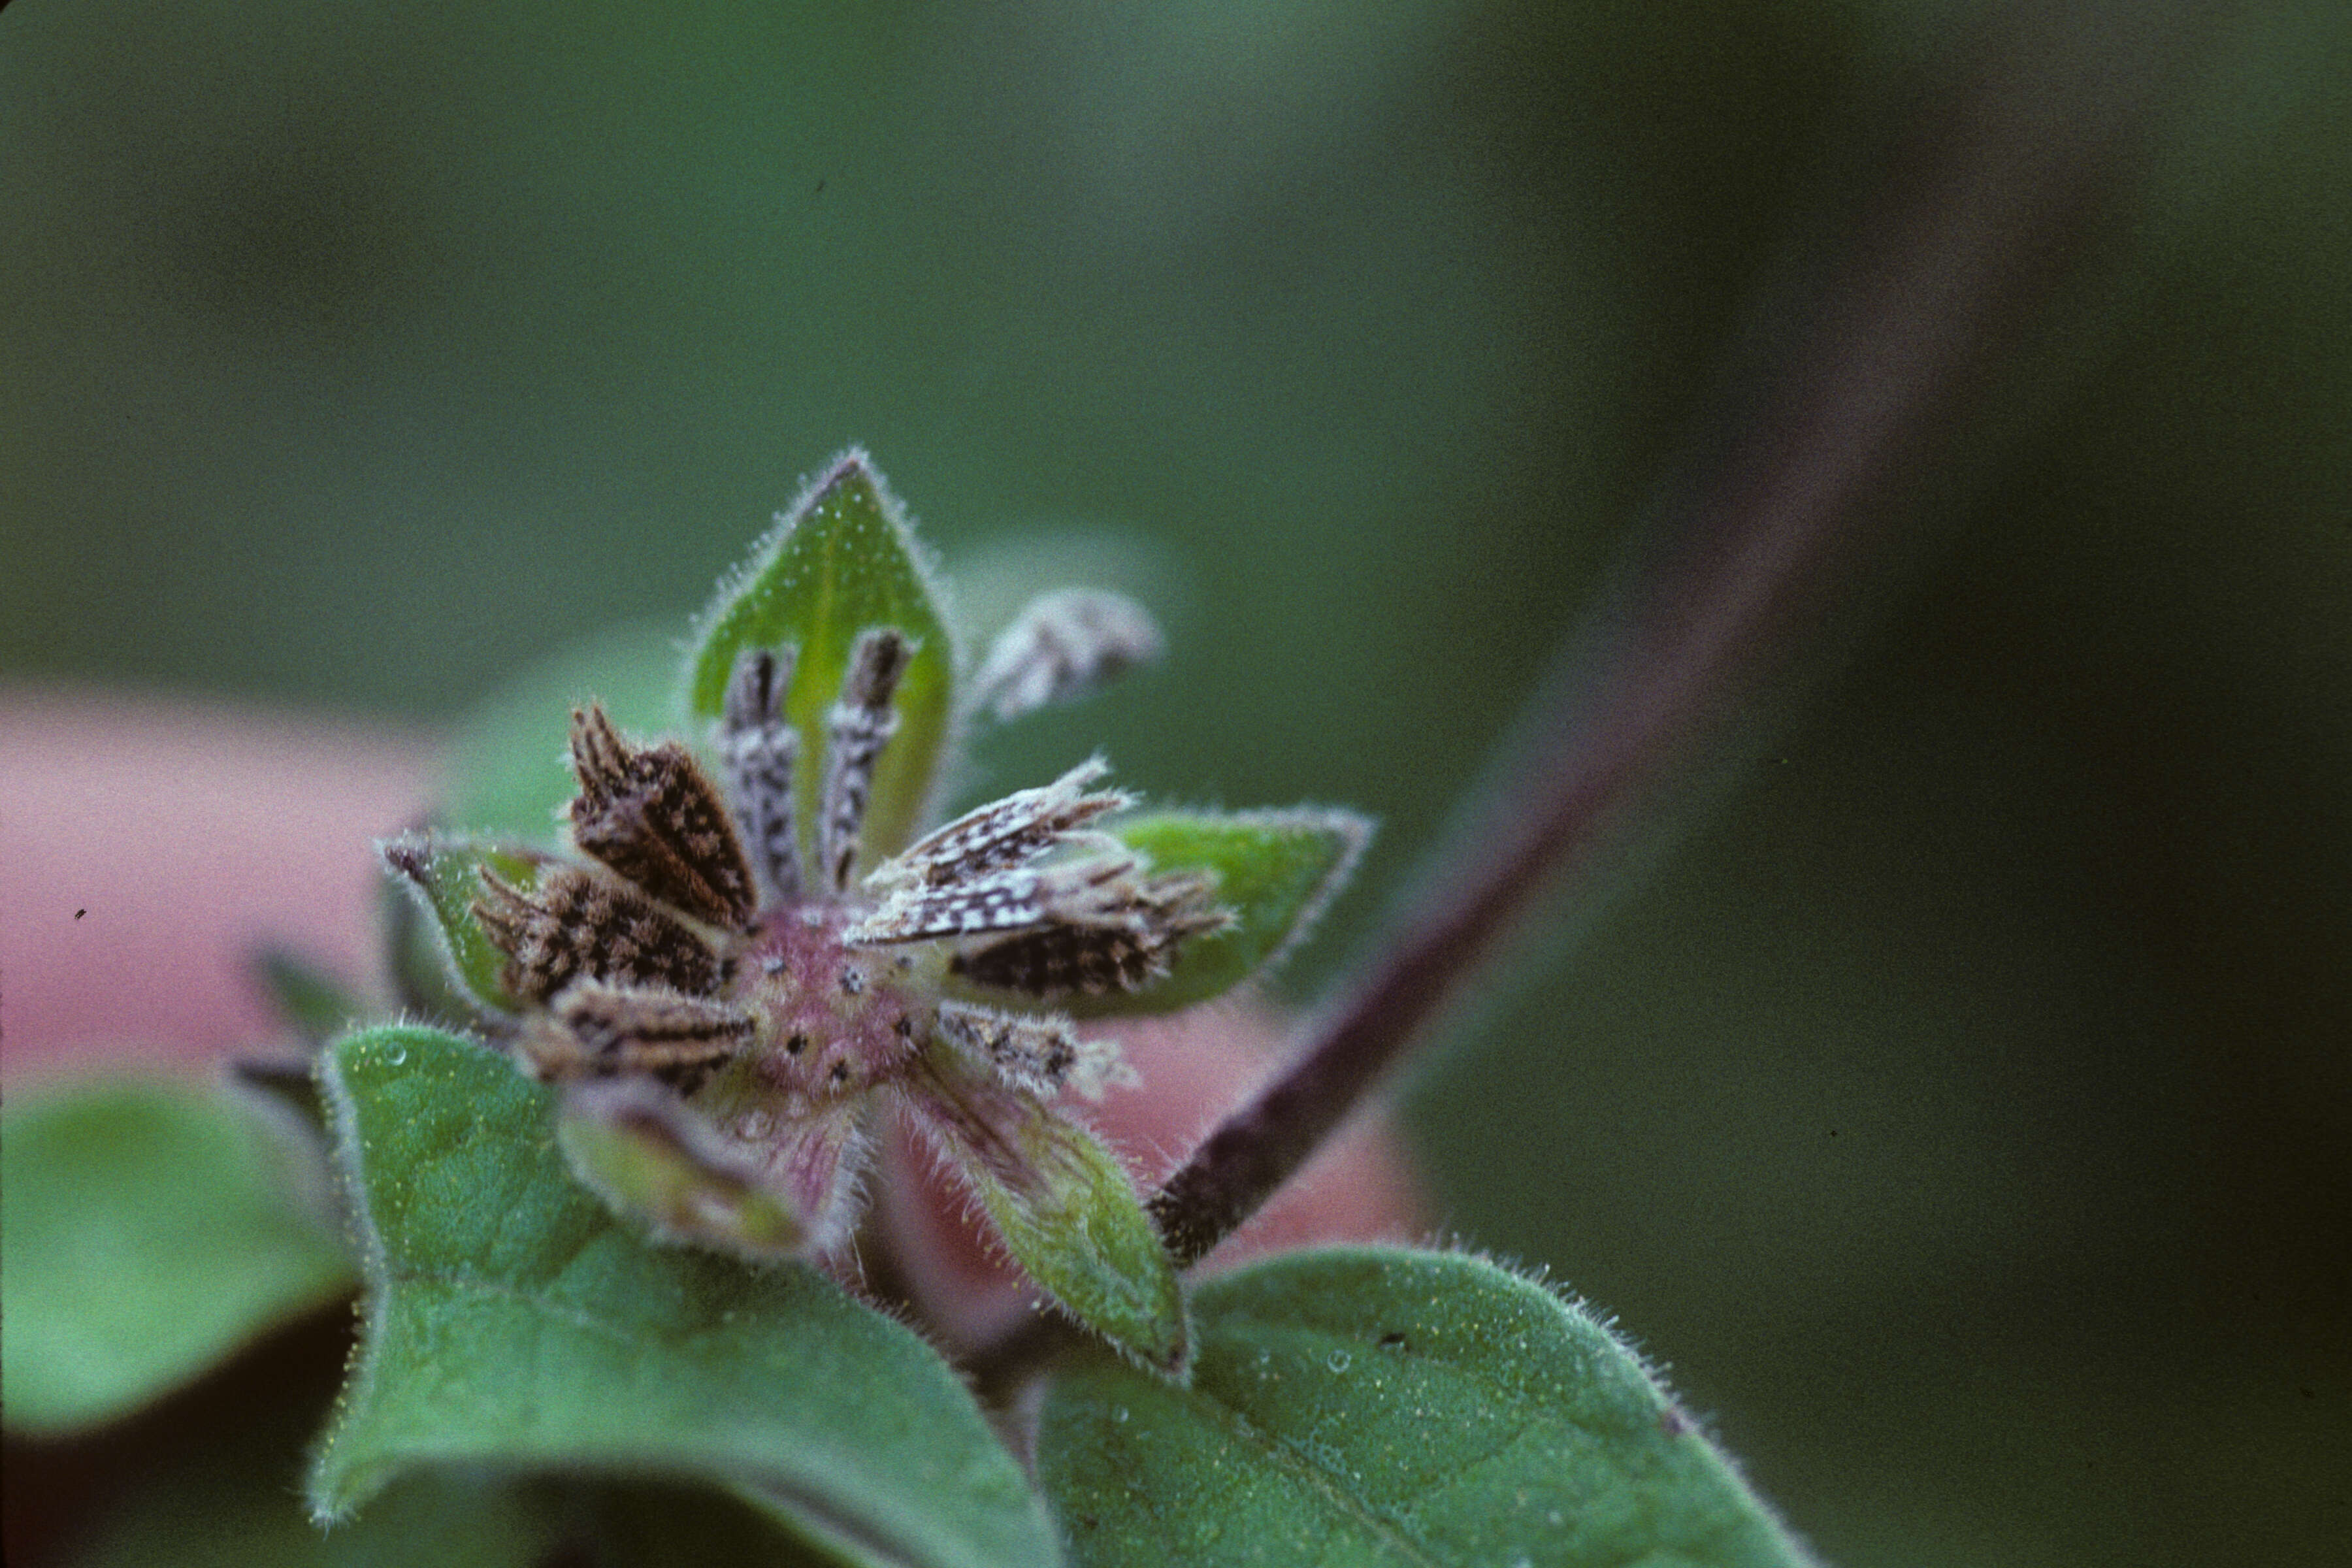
(743, 964)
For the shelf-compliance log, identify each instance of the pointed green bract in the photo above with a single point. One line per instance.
(147, 1230)
(511, 1322)
(443, 873)
(1275, 871)
(418, 972)
(841, 561)
(1381, 1406)
(641, 1172)
(1063, 1206)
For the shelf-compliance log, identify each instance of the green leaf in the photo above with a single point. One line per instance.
(146, 1231)
(216, 1485)
(443, 873)
(513, 1322)
(1376, 1405)
(418, 972)
(1062, 1205)
(842, 560)
(650, 1525)
(1276, 870)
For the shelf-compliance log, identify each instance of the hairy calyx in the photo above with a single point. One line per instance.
(710, 1005)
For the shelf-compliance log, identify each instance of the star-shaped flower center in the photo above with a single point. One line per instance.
(696, 969)
(747, 964)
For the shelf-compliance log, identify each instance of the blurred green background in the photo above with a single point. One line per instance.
(1958, 1094)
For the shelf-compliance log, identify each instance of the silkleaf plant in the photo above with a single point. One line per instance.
(602, 1182)
(750, 955)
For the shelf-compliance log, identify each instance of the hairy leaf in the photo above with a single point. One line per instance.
(1379, 1406)
(146, 1231)
(1276, 870)
(511, 1322)
(840, 560)
(443, 873)
(1063, 1205)
(218, 1486)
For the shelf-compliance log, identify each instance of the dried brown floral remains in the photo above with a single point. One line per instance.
(746, 962)
(579, 924)
(758, 748)
(1062, 644)
(755, 1013)
(651, 816)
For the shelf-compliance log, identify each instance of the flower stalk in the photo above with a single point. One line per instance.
(1966, 236)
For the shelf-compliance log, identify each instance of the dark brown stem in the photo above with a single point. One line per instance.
(1969, 229)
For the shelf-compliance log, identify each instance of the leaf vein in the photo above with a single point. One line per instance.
(1286, 1457)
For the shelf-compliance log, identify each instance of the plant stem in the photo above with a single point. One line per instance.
(1971, 226)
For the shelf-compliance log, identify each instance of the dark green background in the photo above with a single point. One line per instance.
(1956, 1092)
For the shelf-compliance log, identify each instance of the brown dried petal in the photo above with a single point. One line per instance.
(1093, 892)
(757, 686)
(1090, 959)
(576, 923)
(862, 723)
(1040, 1055)
(1062, 644)
(1009, 832)
(1064, 960)
(759, 747)
(652, 816)
(592, 1029)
